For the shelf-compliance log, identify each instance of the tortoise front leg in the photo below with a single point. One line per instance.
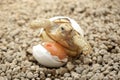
(83, 45)
(41, 23)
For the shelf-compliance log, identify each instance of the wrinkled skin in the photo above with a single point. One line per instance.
(62, 32)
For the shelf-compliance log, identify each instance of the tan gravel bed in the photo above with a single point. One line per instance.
(100, 19)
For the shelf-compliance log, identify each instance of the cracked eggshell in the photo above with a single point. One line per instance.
(44, 57)
(74, 24)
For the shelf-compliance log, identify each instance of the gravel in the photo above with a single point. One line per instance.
(70, 66)
(100, 20)
(29, 75)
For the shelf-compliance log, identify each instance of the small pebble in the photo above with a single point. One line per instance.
(79, 69)
(3, 67)
(95, 67)
(61, 71)
(70, 66)
(33, 68)
(118, 75)
(2, 78)
(29, 75)
(57, 79)
(16, 79)
(94, 77)
(75, 75)
(47, 79)
(66, 74)
(83, 77)
(69, 78)
(9, 58)
(89, 75)
(87, 60)
(99, 59)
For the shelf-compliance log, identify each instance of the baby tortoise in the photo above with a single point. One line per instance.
(62, 31)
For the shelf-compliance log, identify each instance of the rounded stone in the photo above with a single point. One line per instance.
(29, 75)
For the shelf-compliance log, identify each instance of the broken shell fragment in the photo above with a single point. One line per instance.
(50, 54)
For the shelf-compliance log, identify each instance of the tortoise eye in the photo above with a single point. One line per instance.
(62, 28)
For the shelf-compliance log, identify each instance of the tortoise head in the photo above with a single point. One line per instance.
(64, 31)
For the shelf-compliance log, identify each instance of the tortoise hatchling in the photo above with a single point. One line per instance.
(61, 38)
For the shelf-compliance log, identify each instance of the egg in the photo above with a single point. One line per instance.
(50, 54)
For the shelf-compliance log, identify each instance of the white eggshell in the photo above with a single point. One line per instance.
(45, 58)
(74, 24)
